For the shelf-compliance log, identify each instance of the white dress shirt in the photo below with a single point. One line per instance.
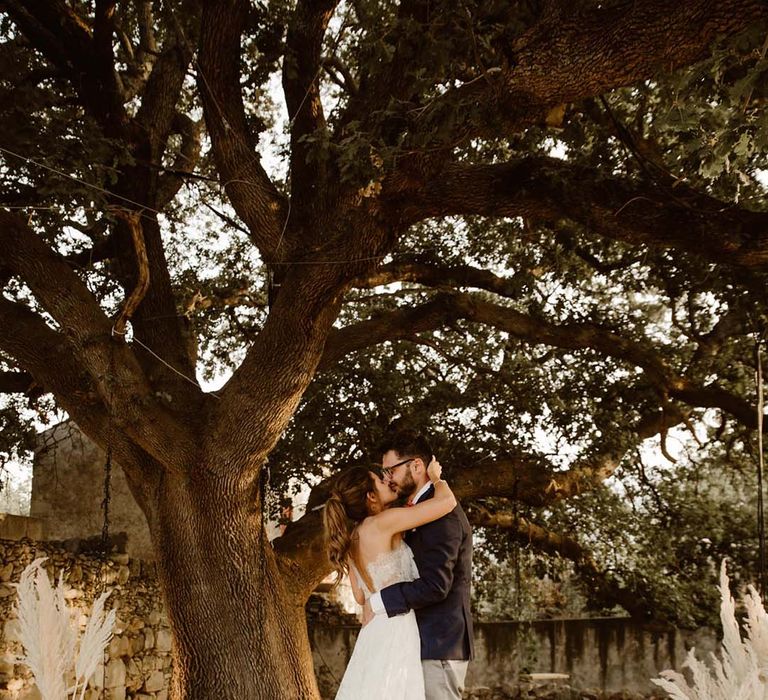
(377, 605)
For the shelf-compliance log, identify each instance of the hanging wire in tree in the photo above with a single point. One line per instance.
(516, 554)
(132, 218)
(108, 462)
(759, 338)
(107, 490)
(518, 595)
(263, 493)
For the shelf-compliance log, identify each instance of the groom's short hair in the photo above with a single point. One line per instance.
(407, 443)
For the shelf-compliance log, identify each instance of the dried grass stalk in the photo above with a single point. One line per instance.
(742, 674)
(49, 638)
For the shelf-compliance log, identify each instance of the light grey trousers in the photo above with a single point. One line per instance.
(444, 680)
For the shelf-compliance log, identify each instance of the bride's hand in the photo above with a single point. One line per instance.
(366, 613)
(434, 471)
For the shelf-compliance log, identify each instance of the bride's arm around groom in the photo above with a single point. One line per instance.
(440, 596)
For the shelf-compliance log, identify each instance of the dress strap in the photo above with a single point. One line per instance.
(360, 581)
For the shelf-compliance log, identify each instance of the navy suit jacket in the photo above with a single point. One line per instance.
(440, 596)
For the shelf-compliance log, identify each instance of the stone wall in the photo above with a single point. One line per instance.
(603, 658)
(17, 527)
(609, 657)
(139, 655)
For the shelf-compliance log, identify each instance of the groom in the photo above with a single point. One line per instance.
(443, 553)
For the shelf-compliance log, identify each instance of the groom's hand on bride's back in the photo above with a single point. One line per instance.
(366, 615)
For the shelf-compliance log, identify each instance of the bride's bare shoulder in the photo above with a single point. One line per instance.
(370, 528)
(366, 525)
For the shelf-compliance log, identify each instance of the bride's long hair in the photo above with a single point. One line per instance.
(344, 509)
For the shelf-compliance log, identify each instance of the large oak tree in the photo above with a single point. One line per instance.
(429, 254)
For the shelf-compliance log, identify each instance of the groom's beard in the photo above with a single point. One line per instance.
(408, 487)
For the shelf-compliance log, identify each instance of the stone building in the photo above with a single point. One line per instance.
(68, 491)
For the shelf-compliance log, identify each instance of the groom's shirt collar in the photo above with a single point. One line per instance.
(421, 492)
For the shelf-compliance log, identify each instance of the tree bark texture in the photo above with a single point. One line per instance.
(239, 630)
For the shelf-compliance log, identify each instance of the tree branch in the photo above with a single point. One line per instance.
(730, 324)
(301, 85)
(335, 68)
(186, 160)
(528, 479)
(142, 284)
(158, 111)
(156, 322)
(417, 270)
(47, 357)
(432, 274)
(16, 382)
(403, 324)
(88, 334)
(253, 195)
(528, 532)
(635, 602)
(420, 271)
(400, 324)
(266, 388)
(103, 29)
(396, 80)
(569, 56)
(140, 61)
(548, 189)
(64, 38)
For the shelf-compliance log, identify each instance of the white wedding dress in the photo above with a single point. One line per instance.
(386, 661)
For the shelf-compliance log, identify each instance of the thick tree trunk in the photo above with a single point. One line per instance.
(238, 632)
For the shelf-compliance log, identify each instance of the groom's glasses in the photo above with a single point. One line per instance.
(387, 471)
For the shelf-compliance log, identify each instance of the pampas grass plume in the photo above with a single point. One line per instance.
(97, 634)
(46, 631)
(49, 637)
(743, 672)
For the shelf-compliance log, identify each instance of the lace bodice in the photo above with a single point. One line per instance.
(386, 661)
(388, 568)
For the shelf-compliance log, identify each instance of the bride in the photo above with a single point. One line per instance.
(364, 540)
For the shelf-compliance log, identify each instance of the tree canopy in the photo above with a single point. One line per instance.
(536, 230)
